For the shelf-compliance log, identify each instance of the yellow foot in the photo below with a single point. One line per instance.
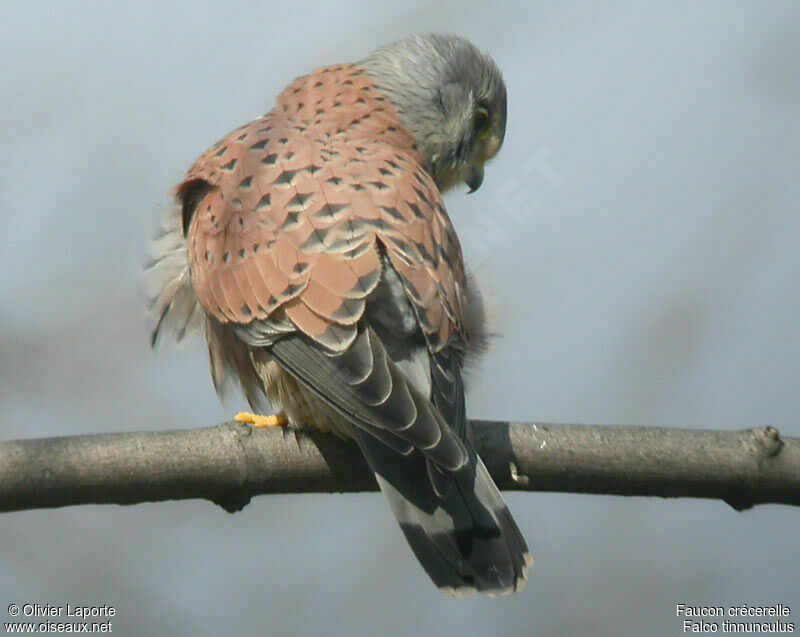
(278, 420)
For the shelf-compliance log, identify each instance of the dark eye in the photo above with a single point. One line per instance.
(481, 123)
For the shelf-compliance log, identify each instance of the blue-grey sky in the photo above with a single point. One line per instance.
(645, 273)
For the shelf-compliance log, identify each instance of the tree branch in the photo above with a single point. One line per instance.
(232, 462)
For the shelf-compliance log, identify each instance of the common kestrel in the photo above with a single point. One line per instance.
(313, 246)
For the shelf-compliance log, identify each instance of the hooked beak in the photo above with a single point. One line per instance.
(474, 177)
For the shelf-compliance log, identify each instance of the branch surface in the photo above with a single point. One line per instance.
(230, 463)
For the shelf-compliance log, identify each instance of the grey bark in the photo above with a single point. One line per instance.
(230, 463)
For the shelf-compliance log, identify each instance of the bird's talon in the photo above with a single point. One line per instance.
(276, 420)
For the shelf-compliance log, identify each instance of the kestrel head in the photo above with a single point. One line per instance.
(450, 96)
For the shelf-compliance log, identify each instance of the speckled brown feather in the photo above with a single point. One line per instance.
(300, 201)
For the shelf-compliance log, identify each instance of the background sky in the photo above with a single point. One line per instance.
(646, 269)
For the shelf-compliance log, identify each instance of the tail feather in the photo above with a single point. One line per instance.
(466, 539)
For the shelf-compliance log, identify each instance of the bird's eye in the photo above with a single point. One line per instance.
(481, 124)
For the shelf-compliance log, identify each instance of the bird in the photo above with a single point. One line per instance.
(313, 248)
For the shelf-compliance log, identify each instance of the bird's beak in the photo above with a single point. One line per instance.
(474, 177)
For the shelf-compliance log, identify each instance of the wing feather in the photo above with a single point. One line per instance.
(376, 396)
(296, 227)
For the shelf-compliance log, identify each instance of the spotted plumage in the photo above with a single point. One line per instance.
(315, 242)
(298, 206)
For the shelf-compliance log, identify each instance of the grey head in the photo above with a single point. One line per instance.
(450, 96)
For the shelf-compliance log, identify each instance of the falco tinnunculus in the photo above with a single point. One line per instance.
(313, 245)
